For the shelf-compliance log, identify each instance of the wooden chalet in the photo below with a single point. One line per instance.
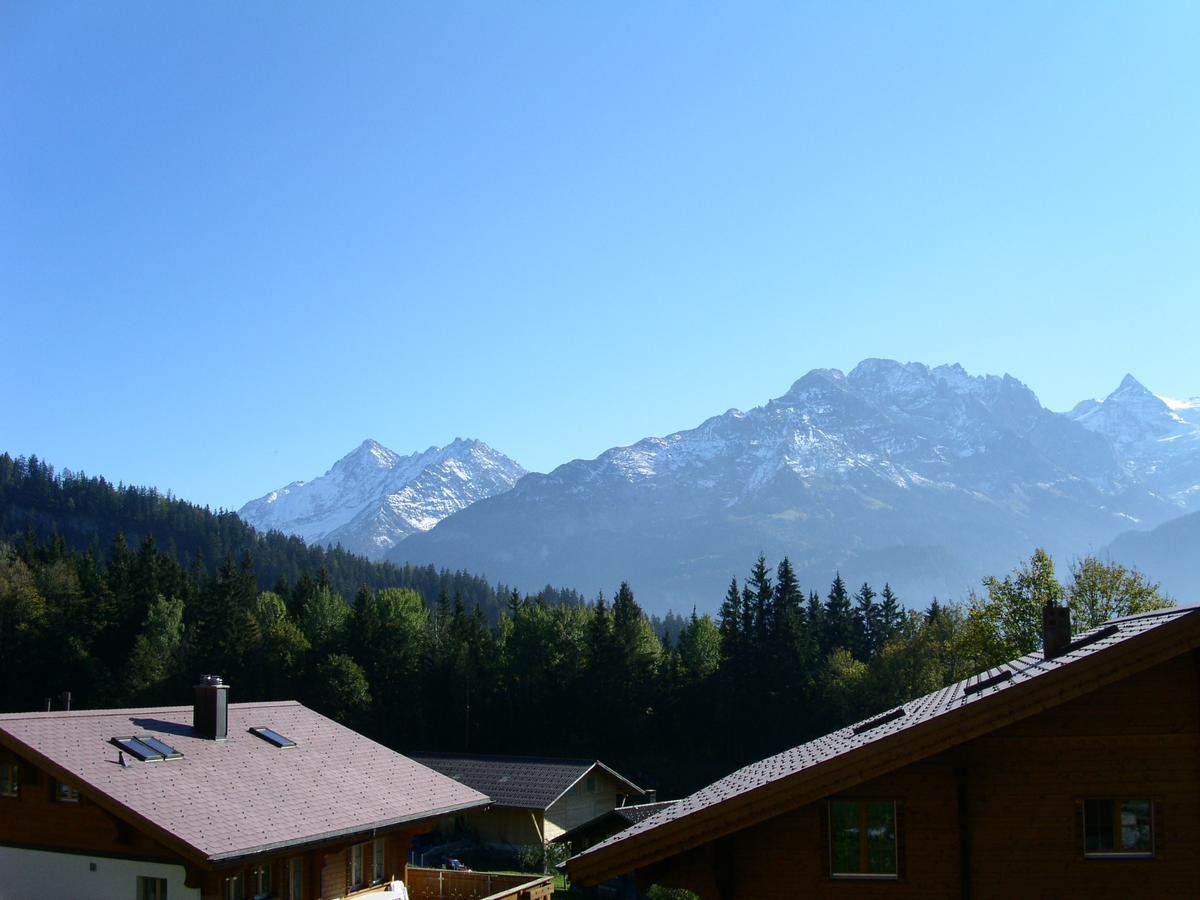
(534, 799)
(1067, 773)
(215, 801)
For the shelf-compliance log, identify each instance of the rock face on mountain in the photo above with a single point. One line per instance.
(373, 498)
(1156, 439)
(927, 477)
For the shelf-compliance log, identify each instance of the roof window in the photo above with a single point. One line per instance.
(879, 720)
(272, 737)
(986, 683)
(147, 748)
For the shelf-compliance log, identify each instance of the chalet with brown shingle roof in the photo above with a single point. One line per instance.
(207, 801)
(534, 799)
(1067, 773)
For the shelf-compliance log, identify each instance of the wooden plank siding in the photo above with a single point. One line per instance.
(579, 805)
(1001, 815)
(36, 819)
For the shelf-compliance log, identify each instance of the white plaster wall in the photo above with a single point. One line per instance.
(28, 874)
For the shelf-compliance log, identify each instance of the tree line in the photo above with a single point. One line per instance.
(541, 674)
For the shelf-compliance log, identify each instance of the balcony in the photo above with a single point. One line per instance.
(444, 884)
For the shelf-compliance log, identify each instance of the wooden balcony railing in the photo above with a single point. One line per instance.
(445, 884)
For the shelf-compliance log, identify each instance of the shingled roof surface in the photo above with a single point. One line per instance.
(810, 757)
(229, 798)
(522, 782)
(642, 811)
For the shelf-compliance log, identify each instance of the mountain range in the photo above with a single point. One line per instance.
(924, 477)
(373, 498)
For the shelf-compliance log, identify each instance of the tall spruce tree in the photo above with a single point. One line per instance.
(839, 618)
(866, 624)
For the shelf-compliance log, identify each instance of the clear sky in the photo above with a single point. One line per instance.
(238, 239)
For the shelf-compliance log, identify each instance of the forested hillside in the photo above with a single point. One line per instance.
(122, 624)
(87, 513)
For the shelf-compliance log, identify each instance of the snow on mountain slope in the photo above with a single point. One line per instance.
(1157, 439)
(926, 476)
(373, 498)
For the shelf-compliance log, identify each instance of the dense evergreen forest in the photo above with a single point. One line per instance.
(87, 513)
(108, 592)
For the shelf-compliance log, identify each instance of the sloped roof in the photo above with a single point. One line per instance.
(641, 811)
(231, 798)
(612, 820)
(521, 782)
(887, 741)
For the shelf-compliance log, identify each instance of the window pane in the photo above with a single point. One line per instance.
(1135, 826)
(881, 837)
(10, 779)
(844, 837)
(378, 860)
(1098, 826)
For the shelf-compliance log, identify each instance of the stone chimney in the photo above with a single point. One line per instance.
(210, 714)
(1056, 630)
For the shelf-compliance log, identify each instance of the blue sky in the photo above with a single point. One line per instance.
(235, 240)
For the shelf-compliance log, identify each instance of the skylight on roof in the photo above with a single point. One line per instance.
(988, 682)
(147, 748)
(272, 737)
(879, 720)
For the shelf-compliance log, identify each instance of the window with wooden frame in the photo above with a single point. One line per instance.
(10, 779)
(356, 867)
(64, 793)
(378, 860)
(234, 888)
(151, 888)
(863, 839)
(1118, 829)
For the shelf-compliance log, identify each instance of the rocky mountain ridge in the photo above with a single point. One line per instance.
(925, 476)
(373, 498)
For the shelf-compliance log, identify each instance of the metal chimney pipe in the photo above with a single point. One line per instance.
(210, 712)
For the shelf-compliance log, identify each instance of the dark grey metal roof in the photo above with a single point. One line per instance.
(522, 782)
(931, 706)
(641, 811)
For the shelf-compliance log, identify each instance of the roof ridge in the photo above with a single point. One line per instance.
(133, 710)
(780, 770)
(552, 760)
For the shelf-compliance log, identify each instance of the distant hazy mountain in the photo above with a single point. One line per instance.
(1157, 439)
(927, 477)
(1169, 554)
(374, 498)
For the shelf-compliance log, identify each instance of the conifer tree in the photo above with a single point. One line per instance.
(839, 619)
(866, 624)
(762, 600)
(730, 617)
(890, 616)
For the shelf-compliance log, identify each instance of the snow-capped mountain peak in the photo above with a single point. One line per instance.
(373, 498)
(1157, 439)
(891, 465)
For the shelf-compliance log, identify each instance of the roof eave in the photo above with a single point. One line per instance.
(367, 830)
(1131, 655)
